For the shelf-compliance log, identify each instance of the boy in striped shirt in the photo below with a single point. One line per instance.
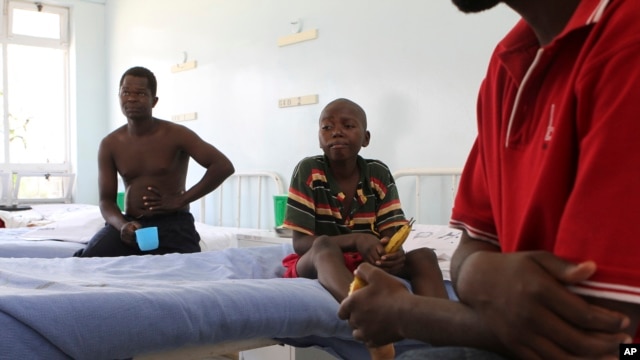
(343, 209)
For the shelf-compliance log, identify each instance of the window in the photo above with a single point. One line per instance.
(34, 136)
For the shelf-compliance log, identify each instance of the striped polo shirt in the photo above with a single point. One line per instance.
(315, 202)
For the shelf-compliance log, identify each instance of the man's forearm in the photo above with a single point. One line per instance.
(112, 214)
(449, 323)
(466, 248)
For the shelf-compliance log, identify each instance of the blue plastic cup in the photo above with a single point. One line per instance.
(147, 238)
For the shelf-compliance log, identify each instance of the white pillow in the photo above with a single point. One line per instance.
(215, 237)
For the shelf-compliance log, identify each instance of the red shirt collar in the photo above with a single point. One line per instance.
(522, 36)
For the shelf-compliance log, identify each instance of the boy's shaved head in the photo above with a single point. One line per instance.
(359, 110)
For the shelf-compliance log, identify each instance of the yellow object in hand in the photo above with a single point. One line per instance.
(396, 241)
(394, 244)
(385, 352)
(356, 284)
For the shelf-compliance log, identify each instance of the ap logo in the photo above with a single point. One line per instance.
(629, 351)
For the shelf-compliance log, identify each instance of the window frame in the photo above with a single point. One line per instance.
(63, 43)
(62, 12)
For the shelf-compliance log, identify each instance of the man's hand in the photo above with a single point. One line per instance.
(128, 233)
(155, 200)
(524, 299)
(370, 309)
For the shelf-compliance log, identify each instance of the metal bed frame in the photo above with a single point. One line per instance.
(245, 199)
(439, 187)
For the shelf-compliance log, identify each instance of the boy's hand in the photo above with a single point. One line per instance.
(393, 262)
(369, 247)
(528, 291)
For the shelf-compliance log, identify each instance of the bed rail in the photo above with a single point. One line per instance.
(245, 199)
(427, 194)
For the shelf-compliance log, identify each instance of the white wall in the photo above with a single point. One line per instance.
(88, 107)
(414, 66)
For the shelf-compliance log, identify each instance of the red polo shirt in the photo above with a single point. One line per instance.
(556, 164)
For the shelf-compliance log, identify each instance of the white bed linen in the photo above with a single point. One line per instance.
(441, 238)
(58, 230)
(77, 224)
(42, 214)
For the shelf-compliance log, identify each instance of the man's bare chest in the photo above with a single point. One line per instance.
(149, 160)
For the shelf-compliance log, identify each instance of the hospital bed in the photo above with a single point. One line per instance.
(58, 228)
(38, 200)
(176, 306)
(427, 194)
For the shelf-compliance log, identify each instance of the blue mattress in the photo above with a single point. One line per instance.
(116, 308)
(12, 245)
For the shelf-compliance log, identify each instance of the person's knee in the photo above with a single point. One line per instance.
(422, 255)
(324, 243)
(325, 247)
(422, 261)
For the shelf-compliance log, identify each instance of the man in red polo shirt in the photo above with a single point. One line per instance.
(547, 266)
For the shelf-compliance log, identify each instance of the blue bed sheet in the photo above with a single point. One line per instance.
(116, 308)
(13, 245)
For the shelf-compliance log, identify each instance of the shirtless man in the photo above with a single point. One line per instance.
(152, 157)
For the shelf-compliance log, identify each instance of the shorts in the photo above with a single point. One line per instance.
(290, 262)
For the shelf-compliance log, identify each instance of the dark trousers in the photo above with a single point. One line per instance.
(176, 233)
(449, 353)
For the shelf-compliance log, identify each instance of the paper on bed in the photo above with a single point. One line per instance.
(441, 238)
